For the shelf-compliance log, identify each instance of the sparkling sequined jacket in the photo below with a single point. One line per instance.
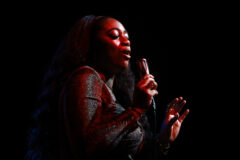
(92, 124)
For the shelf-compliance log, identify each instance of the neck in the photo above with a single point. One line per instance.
(110, 81)
(107, 77)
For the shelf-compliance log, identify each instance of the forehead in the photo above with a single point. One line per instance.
(111, 23)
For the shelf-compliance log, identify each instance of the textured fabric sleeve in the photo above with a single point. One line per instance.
(89, 120)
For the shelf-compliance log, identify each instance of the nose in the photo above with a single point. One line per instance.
(125, 42)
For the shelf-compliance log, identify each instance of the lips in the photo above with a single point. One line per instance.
(126, 54)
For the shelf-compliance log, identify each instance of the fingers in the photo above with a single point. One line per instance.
(152, 85)
(173, 120)
(145, 90)
(180, 106)
(147, 79)
(148, 82)
(153, 93)
(172, 104)
(177, 104)
(183, 116)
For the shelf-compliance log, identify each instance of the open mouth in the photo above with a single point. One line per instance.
(126, 54)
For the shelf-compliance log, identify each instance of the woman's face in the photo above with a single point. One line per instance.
(113, 51)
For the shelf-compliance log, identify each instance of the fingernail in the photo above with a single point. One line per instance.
(177, 115)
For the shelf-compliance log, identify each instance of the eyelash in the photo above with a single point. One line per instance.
(115, 37)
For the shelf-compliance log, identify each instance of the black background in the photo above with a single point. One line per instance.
(179, 42)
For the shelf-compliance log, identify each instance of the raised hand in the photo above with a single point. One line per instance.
(144, 91)
(173, 121)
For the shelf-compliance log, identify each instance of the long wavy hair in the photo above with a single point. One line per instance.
(73, 52)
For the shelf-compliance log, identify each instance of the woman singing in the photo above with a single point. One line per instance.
(90, 107)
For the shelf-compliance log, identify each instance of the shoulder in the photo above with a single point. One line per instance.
(84, 77)
(85, 73)
(85, 70)
(85, 80)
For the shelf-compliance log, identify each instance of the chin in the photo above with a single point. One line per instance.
(122, 66)
(125, 64)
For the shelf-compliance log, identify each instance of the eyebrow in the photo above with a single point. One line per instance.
(125, 31)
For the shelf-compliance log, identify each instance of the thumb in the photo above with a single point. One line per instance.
(173, 120)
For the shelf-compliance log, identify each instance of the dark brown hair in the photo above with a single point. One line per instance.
(73, 52)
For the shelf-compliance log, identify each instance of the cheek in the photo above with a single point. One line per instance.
(109, 52)
(113, 56)
(111, 48)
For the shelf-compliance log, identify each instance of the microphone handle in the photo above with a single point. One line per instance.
(144, 69)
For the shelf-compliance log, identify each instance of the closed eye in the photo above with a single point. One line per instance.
(114, 36)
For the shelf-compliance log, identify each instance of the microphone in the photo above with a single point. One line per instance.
(143, 70)
(142, 67)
